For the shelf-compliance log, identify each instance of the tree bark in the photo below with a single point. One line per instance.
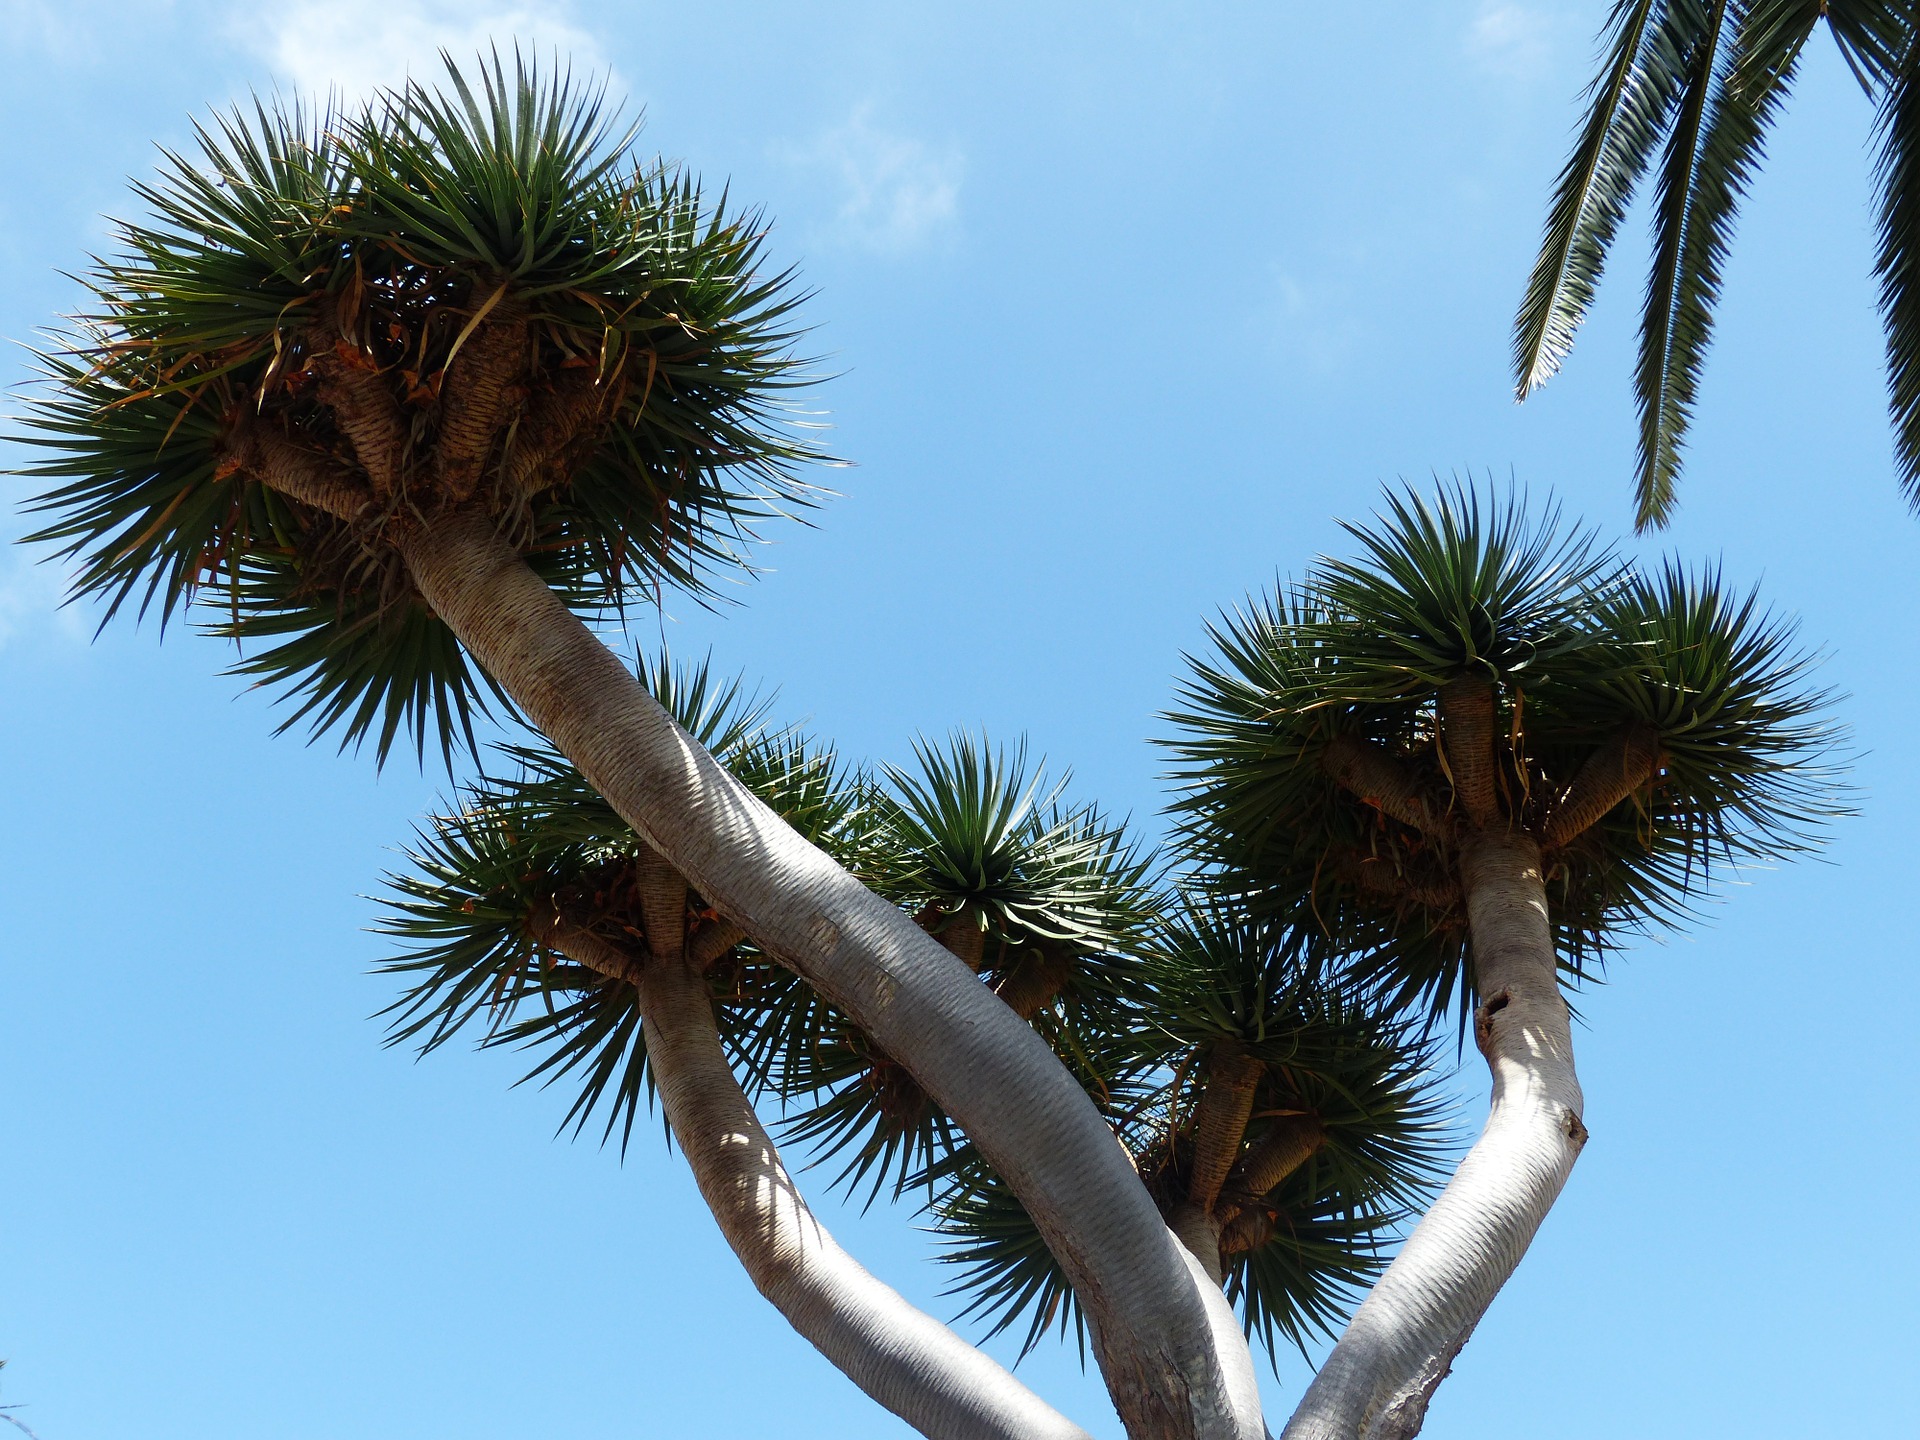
(1380, 779)
(902, 1357)
(1610, 775)
(1466, 740)
(1173, 1356)
(1402, 1341)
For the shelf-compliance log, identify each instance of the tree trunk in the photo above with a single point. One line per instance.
(903, 1358)
(1173, 1356)
(1376, 1383)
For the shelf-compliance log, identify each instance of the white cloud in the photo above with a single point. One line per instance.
(1510, 38)
(355, 46)
(895, 193)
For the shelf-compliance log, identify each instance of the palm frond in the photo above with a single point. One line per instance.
(1452, 589)
(1732, 95)
(1898, 263)
(1631, 97)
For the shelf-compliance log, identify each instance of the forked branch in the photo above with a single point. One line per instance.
(902, 1357)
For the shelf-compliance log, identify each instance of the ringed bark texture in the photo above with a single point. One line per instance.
(1173, 1357)
(1376, 1383)
(902, 1357)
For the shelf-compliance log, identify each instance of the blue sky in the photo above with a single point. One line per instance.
(1126, 305)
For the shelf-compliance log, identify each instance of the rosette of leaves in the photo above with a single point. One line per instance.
(334, 330)
(534, 871)
(1283, 1127)
(1477, 673)
(1038, 895)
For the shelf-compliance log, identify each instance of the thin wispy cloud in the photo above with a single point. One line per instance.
(1512, 39)
(316, 47)
(892, 193)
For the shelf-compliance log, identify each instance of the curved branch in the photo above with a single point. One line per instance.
(1383, 780)
(1610, 775)
(365, 410)
(1171, 1350)
(711, 941)
(1288, 1143)
(902, 1357)
(1401, 1342)
(582, 946)
(1220, 1119)
(556, 420)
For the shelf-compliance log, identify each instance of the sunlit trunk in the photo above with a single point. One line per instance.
(1172, 1354)
(1376, 1383)
(903, 1358)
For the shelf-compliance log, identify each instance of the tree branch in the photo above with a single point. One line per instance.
(711, 941)
(1384, 781)
(1171, 1350)
(663, 905)
(308, 476)
(1380, 877)
(1220, 1120)
(581, 945)
(364, 409)
(1466, 740)
(961, 933)
(1032, 984)
(476, 393)
(556, 419)
(1288, 1144)
(903, 1358)
(1610, 775)
(1400, 1344)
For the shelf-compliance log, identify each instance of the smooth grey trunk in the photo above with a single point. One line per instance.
(1171, 1352)
(902, 1357)
(1376, 1383)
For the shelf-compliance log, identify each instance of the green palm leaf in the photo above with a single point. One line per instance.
(544, 841)
(1898, 265)
(381, 240)
(1631, 97)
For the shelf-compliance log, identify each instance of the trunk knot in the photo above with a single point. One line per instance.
(1483, 1018)
(1576, 1129)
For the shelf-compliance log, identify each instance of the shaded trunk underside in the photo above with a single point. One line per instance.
(1171, 1351)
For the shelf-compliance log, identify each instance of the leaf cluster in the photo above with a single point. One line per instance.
(1211, 974)
(391, 239)
(1580, 650)
(1690, 90)
(542, 842)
